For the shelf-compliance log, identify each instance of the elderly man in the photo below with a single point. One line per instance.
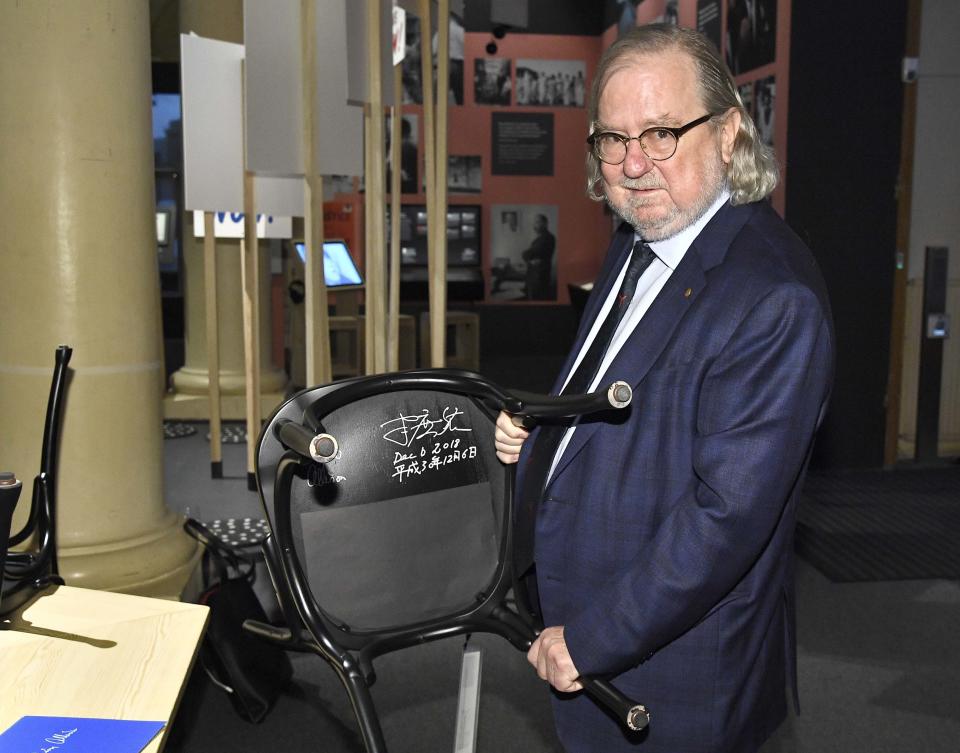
(539, 257)
(661, 542)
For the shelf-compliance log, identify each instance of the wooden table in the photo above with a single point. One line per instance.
(79, 652)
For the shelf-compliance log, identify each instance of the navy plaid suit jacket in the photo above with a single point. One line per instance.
(664, 541)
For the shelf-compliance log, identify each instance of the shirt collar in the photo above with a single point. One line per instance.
(671, 250)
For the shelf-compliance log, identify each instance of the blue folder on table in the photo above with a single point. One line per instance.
(71, 734)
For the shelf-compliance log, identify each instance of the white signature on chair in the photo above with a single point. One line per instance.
(406, 430)
(441, 449)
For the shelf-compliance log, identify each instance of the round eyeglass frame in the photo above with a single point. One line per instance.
(593, 139)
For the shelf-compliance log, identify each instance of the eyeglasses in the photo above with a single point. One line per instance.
(658, 143)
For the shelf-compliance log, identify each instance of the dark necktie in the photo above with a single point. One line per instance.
(550, 436)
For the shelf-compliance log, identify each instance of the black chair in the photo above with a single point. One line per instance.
(27, 572)
(390, 519)
(10, 487)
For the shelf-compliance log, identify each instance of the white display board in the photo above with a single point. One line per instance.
(274, 90)
(358, 59)
(212, 97)
(210, 73)
(230, 225)
(272, 87)
(339, 124)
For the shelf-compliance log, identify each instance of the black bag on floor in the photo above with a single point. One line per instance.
(251, 671)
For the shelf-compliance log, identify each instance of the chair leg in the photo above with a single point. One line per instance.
(366, 714)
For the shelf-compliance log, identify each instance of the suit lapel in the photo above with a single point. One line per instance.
(656, 329)
(646, 343)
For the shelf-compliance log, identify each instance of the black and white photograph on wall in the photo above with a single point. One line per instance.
(410, 70)
(455, 64)
(708, 20)
(412, 78)
(746, 96)
(551, 83)
(523, 244)
(627, 16)
(671, 13)
(338, 184)
(463, 173)
(408, 153)
(491, 81)
(764, 99)
(751, 34)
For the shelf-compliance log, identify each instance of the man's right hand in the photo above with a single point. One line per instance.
(509, 438)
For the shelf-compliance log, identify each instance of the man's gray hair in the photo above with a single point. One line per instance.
(752, 173)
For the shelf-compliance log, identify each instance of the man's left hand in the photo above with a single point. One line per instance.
(550, 657)
(509, 438)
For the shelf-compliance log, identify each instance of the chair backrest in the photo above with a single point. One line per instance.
(407, 528)
(27, 571)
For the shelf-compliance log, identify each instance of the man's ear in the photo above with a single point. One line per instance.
(728, 134)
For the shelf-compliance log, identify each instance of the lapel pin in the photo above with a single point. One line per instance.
(688, 292)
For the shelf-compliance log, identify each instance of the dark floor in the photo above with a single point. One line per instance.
(879, 666)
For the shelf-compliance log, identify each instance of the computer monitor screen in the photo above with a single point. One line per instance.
(164, 217)
(338, 267)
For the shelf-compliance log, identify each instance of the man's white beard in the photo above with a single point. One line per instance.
(676, 220)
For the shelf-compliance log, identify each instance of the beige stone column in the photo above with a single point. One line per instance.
(188, 396)
(78, 265)
(223, 20)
